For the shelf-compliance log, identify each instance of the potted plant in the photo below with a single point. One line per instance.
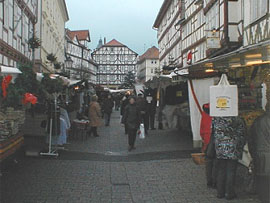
(57, 65)
(51, 57)
(34, 43)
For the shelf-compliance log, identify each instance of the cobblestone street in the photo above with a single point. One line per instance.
(101, 170)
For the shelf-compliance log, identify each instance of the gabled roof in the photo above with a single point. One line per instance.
(165, 6)
(80, 34)
(114, 43)
(151, 53)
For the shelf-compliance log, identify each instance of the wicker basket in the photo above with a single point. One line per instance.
(198, 158)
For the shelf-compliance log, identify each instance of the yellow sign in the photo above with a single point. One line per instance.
(179, 94)
(222, 103)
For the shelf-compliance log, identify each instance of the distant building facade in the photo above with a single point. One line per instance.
(83, 67)
(17, 22)
(114, 61)
(148, 64)
(50, 29)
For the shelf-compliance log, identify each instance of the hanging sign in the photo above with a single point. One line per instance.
(212, 39)
(223, 99)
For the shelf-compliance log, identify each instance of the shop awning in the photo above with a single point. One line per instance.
(9, 70)
(244, 56)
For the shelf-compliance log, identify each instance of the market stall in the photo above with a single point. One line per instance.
(172, 96)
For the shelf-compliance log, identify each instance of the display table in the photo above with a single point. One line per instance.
(10, 146)
(80, 128)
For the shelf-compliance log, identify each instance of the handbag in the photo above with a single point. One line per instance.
(141, 131)
(211, 150)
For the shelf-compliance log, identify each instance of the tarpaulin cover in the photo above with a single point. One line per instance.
(202, 92)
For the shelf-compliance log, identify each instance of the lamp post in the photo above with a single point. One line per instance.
(158, 73)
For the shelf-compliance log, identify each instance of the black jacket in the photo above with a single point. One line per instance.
(107, 105)
(131, 117)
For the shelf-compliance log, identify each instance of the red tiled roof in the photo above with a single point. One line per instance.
(80, 34)
(115, 43)
(151, 53)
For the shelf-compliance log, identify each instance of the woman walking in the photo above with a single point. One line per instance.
(131, 119)
(94, 115)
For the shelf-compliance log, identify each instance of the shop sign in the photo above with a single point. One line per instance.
(212, 40)
(223, 99)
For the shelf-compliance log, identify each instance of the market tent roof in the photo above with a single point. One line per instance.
(9, 70)
(73, 82)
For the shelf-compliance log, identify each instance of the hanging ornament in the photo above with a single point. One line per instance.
(189, 58)
(5, 84)
(29, 98)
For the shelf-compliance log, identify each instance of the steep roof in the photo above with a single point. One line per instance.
(151, 53)
(80, 34)
(114, 43)
(165, 6)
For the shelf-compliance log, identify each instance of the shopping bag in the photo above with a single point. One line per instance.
(223, 99)
(141, 131)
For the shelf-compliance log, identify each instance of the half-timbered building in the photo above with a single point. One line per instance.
(76, 48)
(168, 33)
(17, 21)
(114, 61)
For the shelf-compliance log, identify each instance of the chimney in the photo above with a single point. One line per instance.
(104, 40)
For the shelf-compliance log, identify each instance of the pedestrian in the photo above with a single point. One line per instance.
(117, 102)
(142, 106)
(131, 119)
(94, 115)
(152, 113)
(107, 109)
(124, 103)
(205, 132)
(229, 136)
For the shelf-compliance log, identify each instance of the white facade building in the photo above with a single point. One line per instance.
(17, 22)
(148, 64)
(77, 50)
(50, 28)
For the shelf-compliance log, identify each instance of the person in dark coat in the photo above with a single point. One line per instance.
(107, 107)
(142, 106)
(124, 103)
(131, 119)
(259, 148)
(229, 135)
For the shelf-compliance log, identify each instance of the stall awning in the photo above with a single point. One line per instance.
(244, 56)
(9, 70)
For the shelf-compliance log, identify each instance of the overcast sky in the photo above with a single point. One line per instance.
(128, 21)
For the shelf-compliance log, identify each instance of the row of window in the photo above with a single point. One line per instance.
(113, 69)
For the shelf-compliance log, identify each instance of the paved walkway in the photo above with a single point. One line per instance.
(101, 170)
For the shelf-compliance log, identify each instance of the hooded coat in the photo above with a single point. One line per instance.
(94, 114)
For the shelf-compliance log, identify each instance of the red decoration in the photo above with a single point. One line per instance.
(189, 58)
(5, 84)
(29, 98)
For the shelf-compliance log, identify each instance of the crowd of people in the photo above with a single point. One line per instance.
(134, 110)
